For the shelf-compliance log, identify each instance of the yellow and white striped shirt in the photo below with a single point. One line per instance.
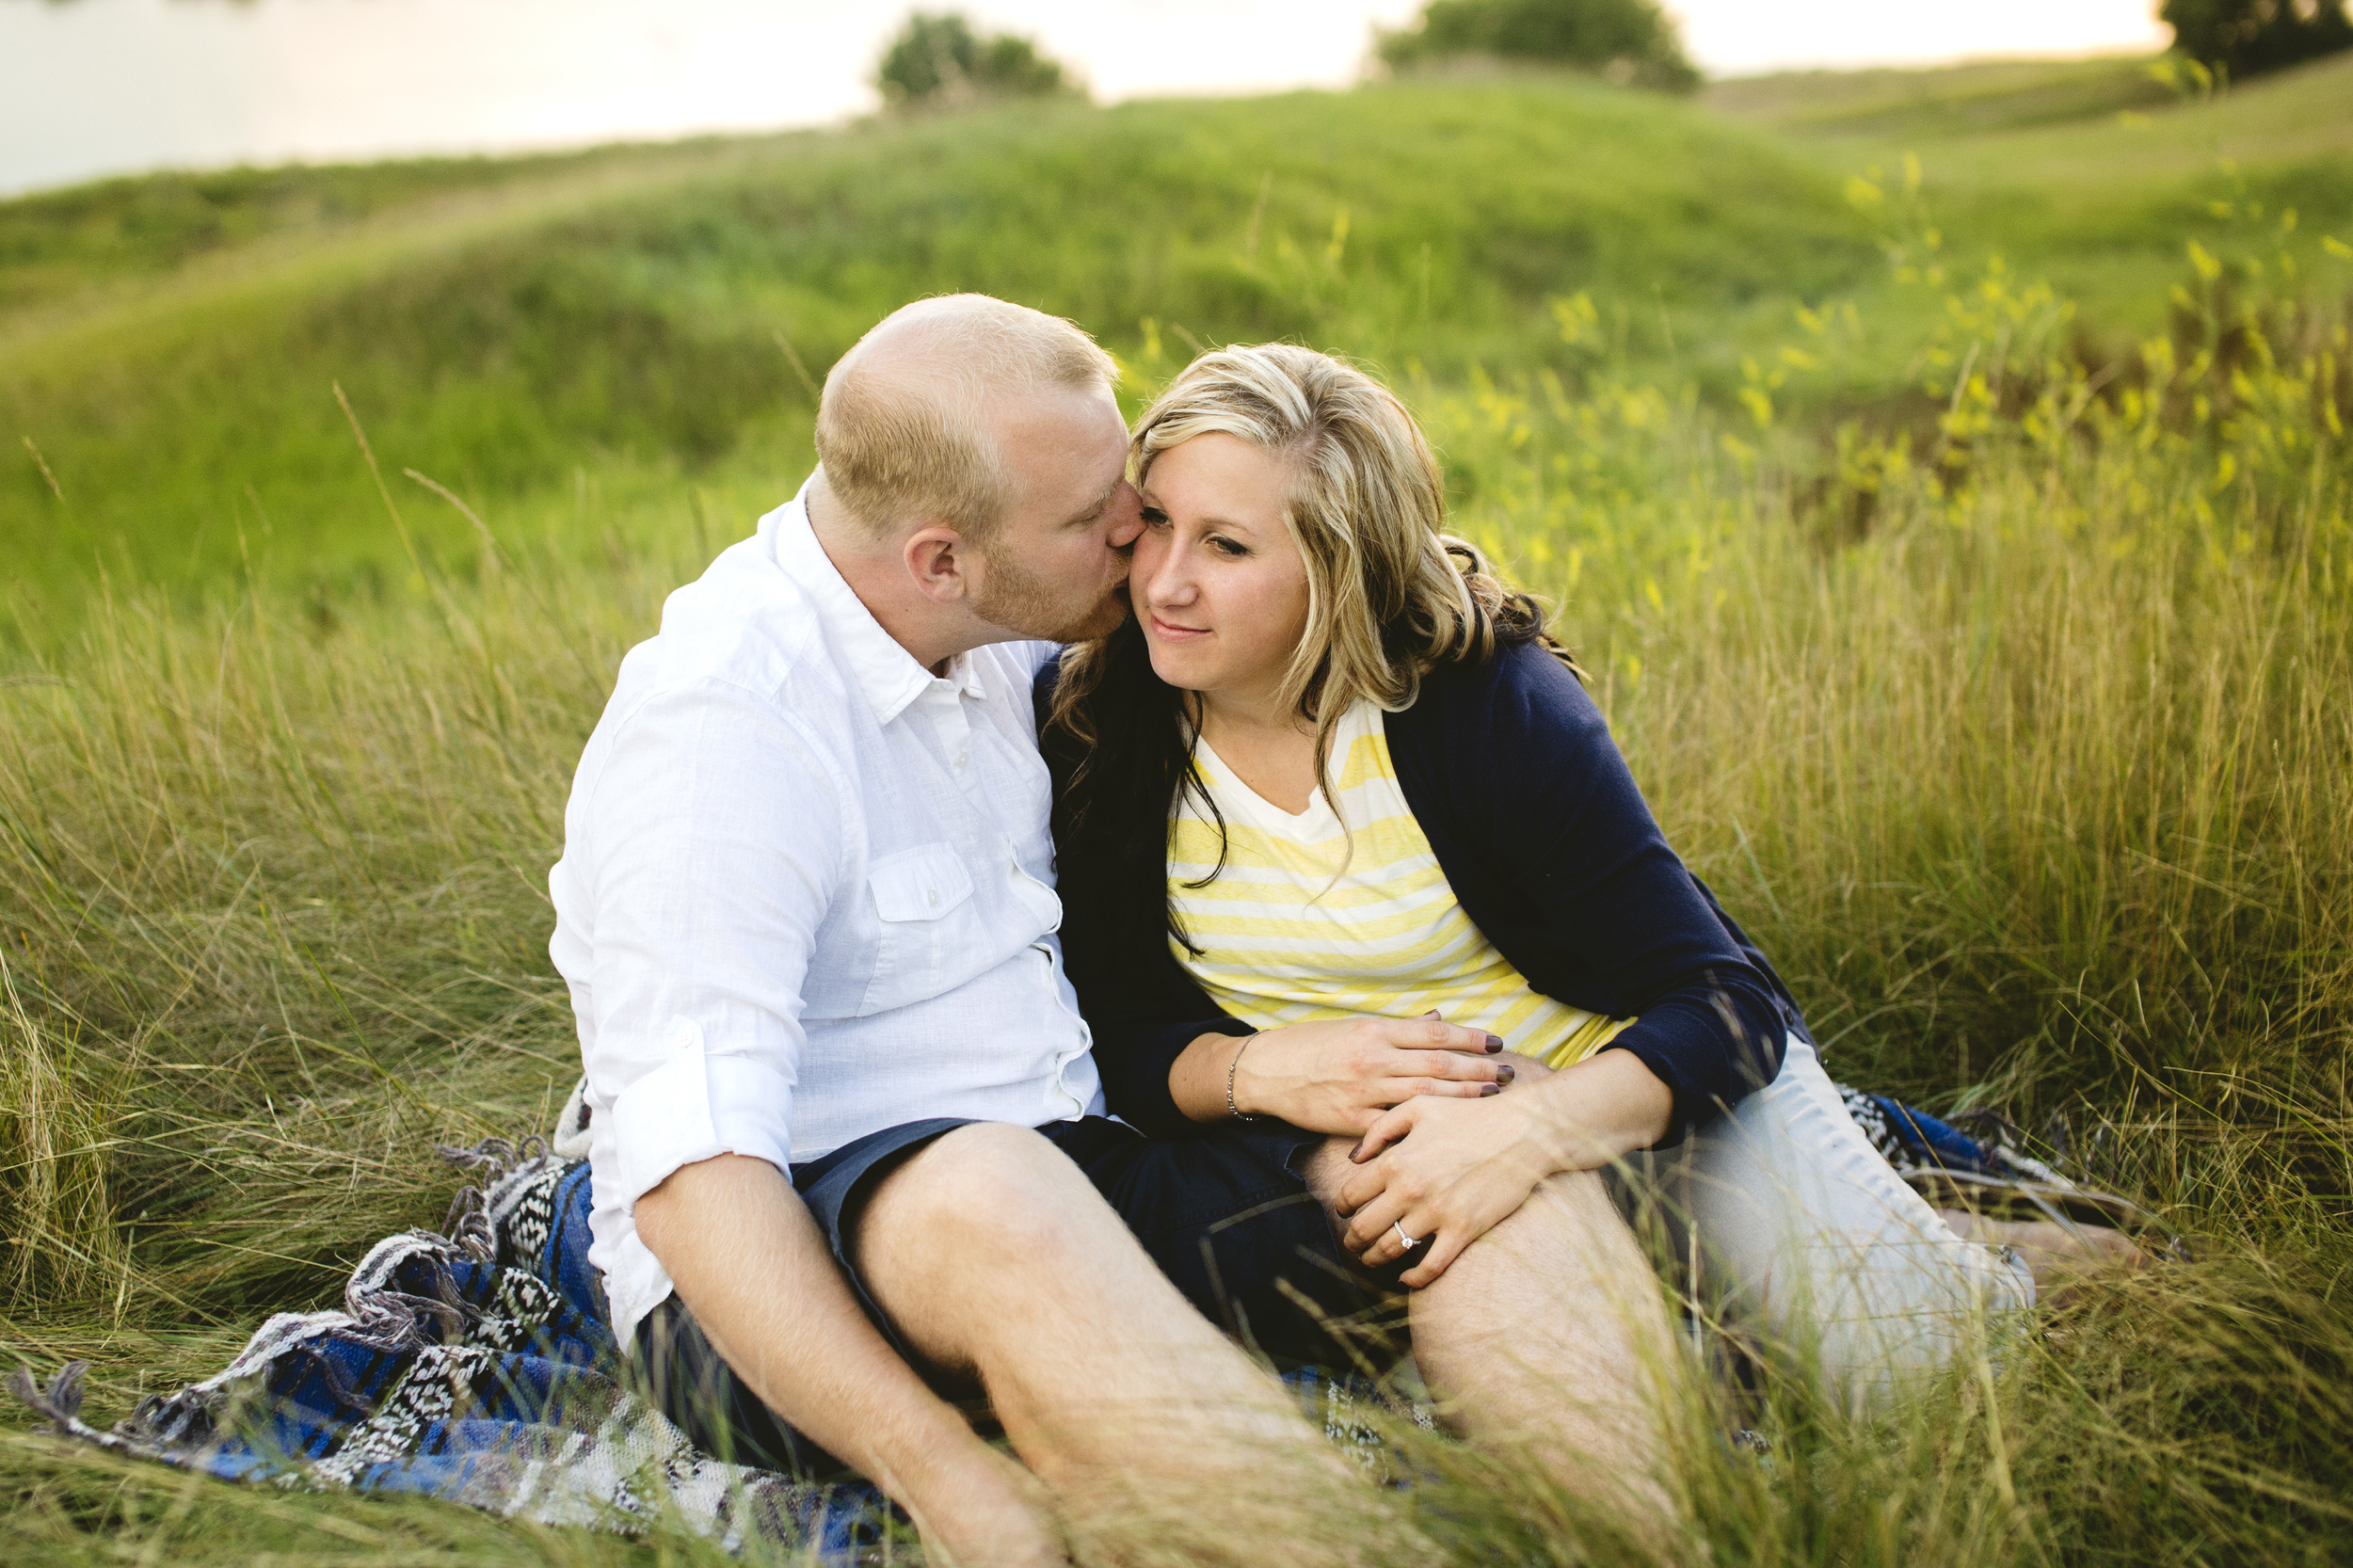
(1345, 913)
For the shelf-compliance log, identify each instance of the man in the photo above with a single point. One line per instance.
(847, 1134)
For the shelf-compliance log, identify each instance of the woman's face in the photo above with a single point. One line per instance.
(1217, 581)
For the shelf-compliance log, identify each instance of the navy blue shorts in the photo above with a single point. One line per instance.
(1226, 1213)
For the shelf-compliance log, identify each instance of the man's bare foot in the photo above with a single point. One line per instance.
(2061, 1258)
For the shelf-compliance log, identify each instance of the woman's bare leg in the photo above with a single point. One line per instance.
(2061, 1258)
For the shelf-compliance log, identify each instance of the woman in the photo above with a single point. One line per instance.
(1332, 798)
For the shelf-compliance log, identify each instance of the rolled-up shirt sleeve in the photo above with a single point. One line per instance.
(716, 834)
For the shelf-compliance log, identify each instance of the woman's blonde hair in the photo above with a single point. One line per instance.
(1390, 595)
(1385, 601)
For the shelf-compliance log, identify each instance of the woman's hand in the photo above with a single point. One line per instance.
(1340, 1077)
(1449, 1171)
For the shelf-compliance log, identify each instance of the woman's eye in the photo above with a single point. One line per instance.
(1155, 518)
(1231, 549)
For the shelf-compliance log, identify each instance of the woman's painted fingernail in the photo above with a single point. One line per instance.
(1505, 1072)
(1486, 1089)
(1494, 1044)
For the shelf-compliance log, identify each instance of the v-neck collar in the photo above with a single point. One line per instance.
(1318, 813)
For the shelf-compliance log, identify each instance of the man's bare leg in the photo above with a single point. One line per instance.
(1548, 1336)
(753, 1267)
(996, 1259)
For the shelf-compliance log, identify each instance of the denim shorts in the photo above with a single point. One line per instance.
(1226, 1213)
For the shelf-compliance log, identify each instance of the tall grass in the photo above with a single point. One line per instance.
(2016, 730)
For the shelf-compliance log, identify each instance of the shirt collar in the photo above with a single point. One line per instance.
(884, 672)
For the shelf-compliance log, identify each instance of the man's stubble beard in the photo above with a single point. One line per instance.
(1017, 600)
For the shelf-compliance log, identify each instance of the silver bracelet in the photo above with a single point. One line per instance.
(1231, 1109)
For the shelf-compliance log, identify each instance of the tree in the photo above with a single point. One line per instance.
(2246, 38)
(1628, 41)
(941, 59)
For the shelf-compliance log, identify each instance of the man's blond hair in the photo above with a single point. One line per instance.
(903, 425)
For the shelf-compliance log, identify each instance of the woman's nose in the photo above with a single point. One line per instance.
(1160, 565)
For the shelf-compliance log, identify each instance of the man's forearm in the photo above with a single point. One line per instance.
(754, 1269)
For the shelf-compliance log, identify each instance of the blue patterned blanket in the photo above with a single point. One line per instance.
(477, 1365)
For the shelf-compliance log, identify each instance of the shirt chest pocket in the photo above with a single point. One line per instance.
(923, 904)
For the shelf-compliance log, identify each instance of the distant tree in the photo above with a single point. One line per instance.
(2248, 37)
(1628, 41)
(940, 59)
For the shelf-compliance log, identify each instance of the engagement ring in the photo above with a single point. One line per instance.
(1408, 1242)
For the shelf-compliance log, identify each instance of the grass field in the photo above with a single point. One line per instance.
(1965, 561)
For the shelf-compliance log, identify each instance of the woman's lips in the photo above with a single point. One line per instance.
(1177, 633)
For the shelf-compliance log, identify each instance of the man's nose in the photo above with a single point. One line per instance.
(1127, 518)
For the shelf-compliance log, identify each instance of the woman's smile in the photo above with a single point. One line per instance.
(1171, 632)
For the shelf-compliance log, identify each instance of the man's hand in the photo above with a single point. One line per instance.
(993, 1513)
(1338, 1076)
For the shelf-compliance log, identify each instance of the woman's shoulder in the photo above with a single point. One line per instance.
(1482, 738)
(1522, 693)
(1048, 673)
(1042, 688)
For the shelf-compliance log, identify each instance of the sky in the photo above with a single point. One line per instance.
(100, 87)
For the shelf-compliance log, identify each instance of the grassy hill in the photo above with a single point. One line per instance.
(530, 332)
(1956, 101)
(624, 318)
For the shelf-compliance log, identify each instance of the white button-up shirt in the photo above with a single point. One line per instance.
(806, 892)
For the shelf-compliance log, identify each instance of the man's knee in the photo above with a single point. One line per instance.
(1570, 1232)
(984, 1193)
(1577, 1213)
(1583, 1198)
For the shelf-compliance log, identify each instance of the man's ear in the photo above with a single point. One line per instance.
(935, 558)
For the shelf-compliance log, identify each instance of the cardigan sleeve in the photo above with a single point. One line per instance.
(1143, 1014)
(1555, 855)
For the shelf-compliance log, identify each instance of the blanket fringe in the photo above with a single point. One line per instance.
(61, 1401)
(496, 1158)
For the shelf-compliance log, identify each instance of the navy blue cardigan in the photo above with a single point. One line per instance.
(1509, 769)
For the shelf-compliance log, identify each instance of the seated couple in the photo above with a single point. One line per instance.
(1333, 960)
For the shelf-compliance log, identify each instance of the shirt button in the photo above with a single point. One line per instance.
(931, 896)
(962, 757)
